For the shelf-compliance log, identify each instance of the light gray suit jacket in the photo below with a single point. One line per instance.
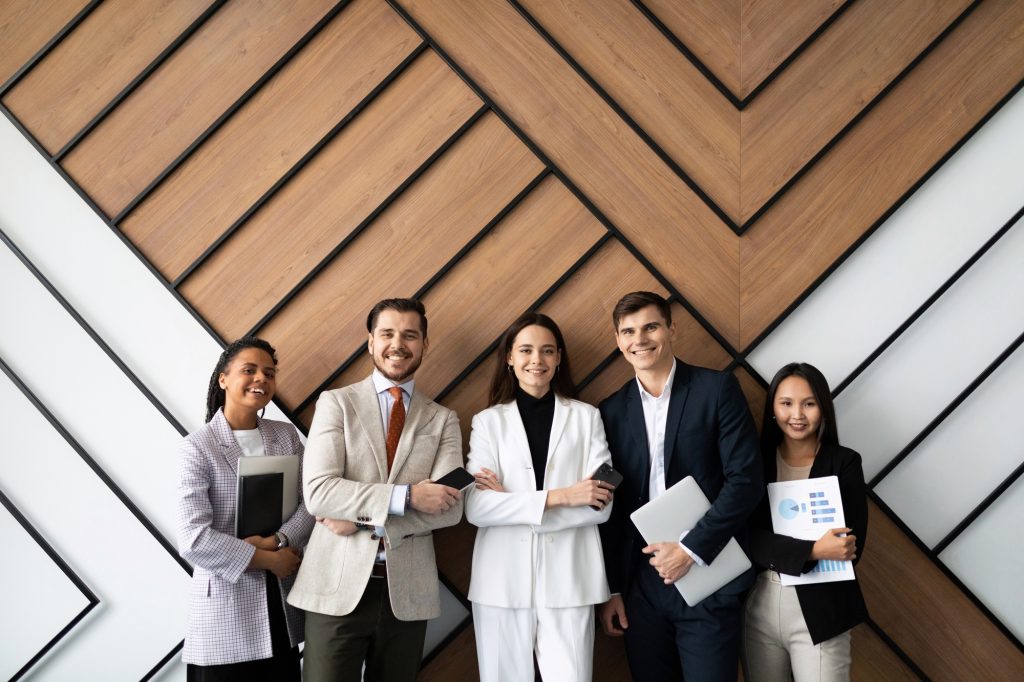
(227, 620)
(346, 477)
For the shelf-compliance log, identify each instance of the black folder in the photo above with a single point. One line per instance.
(258, 511)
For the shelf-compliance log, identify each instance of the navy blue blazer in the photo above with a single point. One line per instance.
(829, 609)
(709, 435)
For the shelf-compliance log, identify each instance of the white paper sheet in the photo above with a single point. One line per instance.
(805, 510)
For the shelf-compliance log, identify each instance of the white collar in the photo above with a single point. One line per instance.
(381, 383)
(666, 390)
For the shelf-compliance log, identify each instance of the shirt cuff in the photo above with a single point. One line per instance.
(700, 562)
(397, 506)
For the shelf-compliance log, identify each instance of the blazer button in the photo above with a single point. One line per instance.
(374, 536)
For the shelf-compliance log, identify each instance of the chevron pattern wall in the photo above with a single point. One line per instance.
(837, 181)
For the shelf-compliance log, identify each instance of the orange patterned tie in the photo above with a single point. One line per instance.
(395, 424)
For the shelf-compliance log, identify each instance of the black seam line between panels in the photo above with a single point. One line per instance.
(48, 47)
(630, 121)
(75, 579)
(444, 270)
(571, 186)
(94, 465)
(973, 515)
(601, 366)
(482, 357)
(97, 339)
(710, 75)
(968, 264)
(946, 411)
(300, 164)
(952, 577)
(782, 190)
(137, 81)
(879, 222)
(365, 222)
(120, 235)
(896, 649)
(230, 111)
(155, 670)
(444, 643)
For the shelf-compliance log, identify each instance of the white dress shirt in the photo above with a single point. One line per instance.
(656, 421)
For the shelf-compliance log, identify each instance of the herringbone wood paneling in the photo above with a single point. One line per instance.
(397, 202)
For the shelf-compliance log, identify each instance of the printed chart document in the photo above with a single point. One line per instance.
(805, 510)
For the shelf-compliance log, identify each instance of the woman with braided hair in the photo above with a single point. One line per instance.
(239, 625)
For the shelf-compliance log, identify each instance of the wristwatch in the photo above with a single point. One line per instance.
(282, 540)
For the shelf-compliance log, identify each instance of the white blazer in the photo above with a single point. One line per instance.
(525, 556)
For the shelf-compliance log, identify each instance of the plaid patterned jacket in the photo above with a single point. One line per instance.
(227, 620)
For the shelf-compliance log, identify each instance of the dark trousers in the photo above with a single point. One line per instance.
(668, 640)
(282, 666)
(337, 646)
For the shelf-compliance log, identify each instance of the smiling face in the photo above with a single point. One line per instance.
(397, 344)
(797, 411)
(534, 358)
(248, 382)
(645, 339)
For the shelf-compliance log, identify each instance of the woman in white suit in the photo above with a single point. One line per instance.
(537, 563)
(239, 627)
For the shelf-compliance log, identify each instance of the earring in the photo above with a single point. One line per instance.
(510, 369)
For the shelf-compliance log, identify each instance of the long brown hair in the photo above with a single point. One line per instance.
(504, 381)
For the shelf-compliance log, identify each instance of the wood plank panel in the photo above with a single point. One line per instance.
(802, 110)
(934, 623)
(656, 85)
(710, 29)
(400, 251)
(346, 181)
(878, 161)
(874, 661)
(185, 95)
(584, 137)
(27, 25)
(197, 203)
(457, 661)
(769, 32)
(520, 259)
(754, 393)
(94, 63)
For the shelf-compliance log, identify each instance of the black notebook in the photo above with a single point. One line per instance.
(258, 511)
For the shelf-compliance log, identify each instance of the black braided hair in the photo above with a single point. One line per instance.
(215, 394)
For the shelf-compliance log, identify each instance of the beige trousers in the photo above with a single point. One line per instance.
(776, 644)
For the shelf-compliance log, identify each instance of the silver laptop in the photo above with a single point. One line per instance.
(678, 509)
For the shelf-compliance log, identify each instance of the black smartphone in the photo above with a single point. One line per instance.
(607, 474)
(460, 479)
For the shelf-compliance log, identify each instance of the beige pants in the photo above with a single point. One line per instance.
(506, 640)
(776, 644)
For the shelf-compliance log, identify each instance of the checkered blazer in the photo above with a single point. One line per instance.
(227, 620)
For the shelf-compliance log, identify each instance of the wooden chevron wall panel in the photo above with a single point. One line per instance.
(280, 166)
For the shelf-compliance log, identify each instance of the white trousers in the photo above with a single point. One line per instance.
(507, 638)
(776, 643)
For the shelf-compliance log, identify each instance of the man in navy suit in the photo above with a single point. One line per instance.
(672, 421)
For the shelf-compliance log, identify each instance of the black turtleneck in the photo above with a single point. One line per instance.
(537, 415)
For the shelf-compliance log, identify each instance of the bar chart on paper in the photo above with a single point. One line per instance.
(806, 510)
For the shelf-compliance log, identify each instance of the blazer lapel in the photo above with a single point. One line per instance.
(638, 427)
(367, 409)
(421, 411)
(557, 427)
(680, 391)
(230, 450)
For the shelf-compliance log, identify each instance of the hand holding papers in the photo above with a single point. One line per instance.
(806, 510)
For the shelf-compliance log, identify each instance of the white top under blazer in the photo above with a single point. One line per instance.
(525, 556)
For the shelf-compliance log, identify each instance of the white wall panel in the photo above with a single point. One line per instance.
(988, 558)
(874, 291)
(937, 357)
(141, 614)
(964, 459)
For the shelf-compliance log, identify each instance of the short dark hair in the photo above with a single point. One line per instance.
(402, 305)
(504, 381)
(215, 394)
(638, 300)
(828, 432)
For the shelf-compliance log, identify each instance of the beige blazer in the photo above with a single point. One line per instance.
(345, 476)
(526, 556)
